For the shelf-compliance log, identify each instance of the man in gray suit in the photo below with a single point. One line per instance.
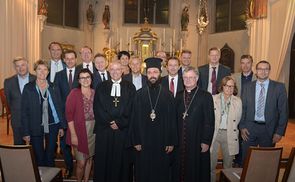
(243, 78)
(13, 88)
(211, 74)
(246, 76)
(265, 110)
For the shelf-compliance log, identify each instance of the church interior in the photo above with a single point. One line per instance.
(264, 29)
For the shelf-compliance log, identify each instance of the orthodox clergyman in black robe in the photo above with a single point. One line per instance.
(153, 130)
(195, 114)
(112, 108)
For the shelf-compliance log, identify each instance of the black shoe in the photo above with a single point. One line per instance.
(69, 173)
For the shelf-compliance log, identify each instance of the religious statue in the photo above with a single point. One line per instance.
(43, 8)
(106, 17)
(184, 19)
(90, 15)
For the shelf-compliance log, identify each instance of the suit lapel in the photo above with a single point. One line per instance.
(206, 78)
(17, 84)
(269, 96)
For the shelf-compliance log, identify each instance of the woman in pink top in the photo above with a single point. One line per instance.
(80, 117)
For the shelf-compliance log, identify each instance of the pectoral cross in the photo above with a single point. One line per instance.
(116, 101)
(184, 115)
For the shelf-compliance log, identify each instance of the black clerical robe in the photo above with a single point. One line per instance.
(198, 127)
(152, 162)
(111, 162)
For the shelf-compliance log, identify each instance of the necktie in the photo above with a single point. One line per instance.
(87, 66)
(213, 81)
(260, 106)
(103, 77)
(70, 79)
(56, 66)
(171, 86)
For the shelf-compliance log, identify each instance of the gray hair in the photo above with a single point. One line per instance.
(191, 68)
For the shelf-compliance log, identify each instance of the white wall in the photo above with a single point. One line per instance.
(237, 40)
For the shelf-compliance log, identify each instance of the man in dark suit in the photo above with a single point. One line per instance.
(135, 77)
(86, 56)
(101, 64)
(265, 110)
(65, 81)
(211, 74)
(56, 63)
(173, 81)
(13, 88)
(185, 58)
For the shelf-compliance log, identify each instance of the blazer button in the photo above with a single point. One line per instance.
(236, 139)
(234, 120)
(235, 130)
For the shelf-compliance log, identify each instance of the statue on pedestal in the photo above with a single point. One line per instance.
(106, 17)
(184, 19)
(90, 15)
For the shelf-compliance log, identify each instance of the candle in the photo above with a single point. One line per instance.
(173, 36)
(160, 44)
(164, 35)
(117, 38)
(109, 43)
(181, 45)
(170, 47)
(127, 34)
(129, 49)
(120, 44)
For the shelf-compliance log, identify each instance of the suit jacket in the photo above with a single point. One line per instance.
(165, 83)
(80, 66)
(233, 119)
(238, 79)
(204, 75)
(129, 77)
(49, 63)
(276, 107)
(31, 113)
(13, 97)
(62, 85)
(97, 79)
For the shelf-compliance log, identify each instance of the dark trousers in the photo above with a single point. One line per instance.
(66, 150)
(18, 136)
(258, 137)
(45, 156)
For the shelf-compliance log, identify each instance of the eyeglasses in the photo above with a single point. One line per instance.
(262, 69)
(85, 78)
(229, 86)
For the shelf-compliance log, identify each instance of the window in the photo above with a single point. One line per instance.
(230, 15)
(63, 12)
(157, 11)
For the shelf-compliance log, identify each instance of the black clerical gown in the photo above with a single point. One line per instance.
(198, 127)
(110, 162)
(152, 162)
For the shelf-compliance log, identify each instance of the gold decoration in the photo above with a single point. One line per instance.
(203, 19)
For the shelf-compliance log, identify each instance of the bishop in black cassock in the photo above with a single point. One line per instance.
(112, 108)
(195, 115)
(153, 129)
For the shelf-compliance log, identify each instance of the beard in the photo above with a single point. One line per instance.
(154, 81)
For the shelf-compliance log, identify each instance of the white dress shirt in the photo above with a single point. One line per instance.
(90, 67)
(55, 66)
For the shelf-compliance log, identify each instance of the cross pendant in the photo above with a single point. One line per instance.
(184, 115)
(116, 101)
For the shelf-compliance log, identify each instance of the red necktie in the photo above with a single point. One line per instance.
(213, 81)
(171, 87)
(70, 78)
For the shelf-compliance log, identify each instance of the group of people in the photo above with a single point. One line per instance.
(165, 125)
